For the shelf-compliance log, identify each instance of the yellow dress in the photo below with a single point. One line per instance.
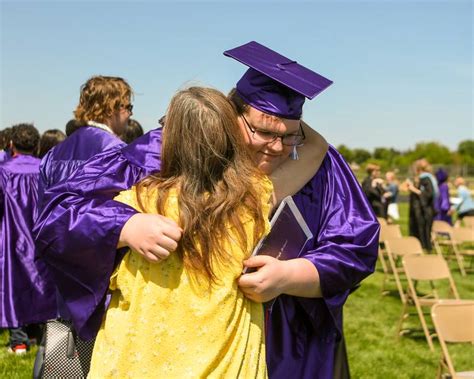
(161, 324)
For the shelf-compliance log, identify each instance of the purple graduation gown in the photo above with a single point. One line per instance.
(442, 204)
(4, 156)
(58, 165)
(76, 235)
(303, 332)
(25, 297)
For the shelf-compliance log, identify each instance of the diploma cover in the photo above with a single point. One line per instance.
(288, 235)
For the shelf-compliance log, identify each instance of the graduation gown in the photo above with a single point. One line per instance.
(25, 296)
(303, 332)
(77, 235)
(422, 212)
(4, 156)
(442, 204)
(375, 197)
(57, 166)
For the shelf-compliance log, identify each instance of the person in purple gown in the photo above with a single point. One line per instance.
(101, 115)
(5, 138)
(305, 323)
(442, 204)
(24, 295)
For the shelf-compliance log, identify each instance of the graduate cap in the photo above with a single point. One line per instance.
(273, 83)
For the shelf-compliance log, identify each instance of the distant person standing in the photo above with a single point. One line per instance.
(442, 205)
(5, 138)
(373, 189)
(392, 196)
(25, 296)
(466, 206)
(423, 194)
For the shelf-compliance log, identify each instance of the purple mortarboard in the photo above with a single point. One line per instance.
(441, 175)
(275, 84)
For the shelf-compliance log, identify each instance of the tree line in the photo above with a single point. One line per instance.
(458, 162)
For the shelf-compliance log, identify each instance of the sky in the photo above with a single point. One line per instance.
(402, 70)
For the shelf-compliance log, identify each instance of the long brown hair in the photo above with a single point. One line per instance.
(205, 158)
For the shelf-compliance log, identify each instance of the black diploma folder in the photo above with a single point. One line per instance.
(288, 235)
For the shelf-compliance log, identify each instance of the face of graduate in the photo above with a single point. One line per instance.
(120, 119)
(268, 156)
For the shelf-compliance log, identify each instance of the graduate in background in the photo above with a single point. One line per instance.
(304, 326)
(442, 205)
(5, 139)
(423, 194)
(374, 190)
(25, 296)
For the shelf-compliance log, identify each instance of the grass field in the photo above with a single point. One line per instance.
(370, 323)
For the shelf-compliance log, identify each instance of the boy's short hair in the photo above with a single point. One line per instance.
(25, 138)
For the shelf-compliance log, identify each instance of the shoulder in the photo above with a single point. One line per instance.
(148, 198)
(128, 197)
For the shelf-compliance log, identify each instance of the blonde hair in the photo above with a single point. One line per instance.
(421, 165)
(204, 156)
(101, 97)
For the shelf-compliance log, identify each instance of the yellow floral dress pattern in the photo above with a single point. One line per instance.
(162, 323)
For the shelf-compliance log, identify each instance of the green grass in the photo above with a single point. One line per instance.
(370, 322)
(15, 366)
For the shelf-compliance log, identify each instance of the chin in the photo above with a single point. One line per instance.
(267, 168)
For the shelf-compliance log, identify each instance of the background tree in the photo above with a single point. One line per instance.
(346, 153)
(434, 152)
(465, 155)
(360, 156)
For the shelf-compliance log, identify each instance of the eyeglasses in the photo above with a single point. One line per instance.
(128, 107)
(293, 139)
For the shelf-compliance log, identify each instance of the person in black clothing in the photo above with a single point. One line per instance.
(423, 192)
(373, 189)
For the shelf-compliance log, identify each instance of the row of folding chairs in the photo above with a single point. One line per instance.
(417, 277)
(452, 242)
(404, 263)
(466, 222)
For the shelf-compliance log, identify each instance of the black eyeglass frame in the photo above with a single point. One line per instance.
(128, 107)
(276, 135)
